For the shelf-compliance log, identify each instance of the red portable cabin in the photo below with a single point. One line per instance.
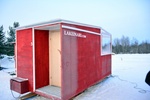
(62, 58)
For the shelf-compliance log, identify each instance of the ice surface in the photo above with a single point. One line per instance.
(127, 81)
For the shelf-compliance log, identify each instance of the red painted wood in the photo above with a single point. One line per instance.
(81, 62)
(19, 85)
(24, 55)
(66, 74)
(106, 65)
(88, 53)
(41, 58)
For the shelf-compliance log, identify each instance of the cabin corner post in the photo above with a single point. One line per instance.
(33, 58)
(16, 53)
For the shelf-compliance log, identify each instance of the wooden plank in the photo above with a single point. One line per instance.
(51, 90)
(55, 70)
(28, 95)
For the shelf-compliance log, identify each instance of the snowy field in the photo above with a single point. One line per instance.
(126, 83)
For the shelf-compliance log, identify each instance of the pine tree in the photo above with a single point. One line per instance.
(2, 41)
(11, 32)
(11, 39)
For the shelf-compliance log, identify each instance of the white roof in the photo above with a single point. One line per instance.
(57, 21)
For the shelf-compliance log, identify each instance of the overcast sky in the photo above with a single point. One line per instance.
(119, 17)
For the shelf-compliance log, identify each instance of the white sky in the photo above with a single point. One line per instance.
(119, 17)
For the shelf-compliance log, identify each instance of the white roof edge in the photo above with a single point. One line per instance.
(105, 32)
(39, 24)
(78, 23)
(54, 22)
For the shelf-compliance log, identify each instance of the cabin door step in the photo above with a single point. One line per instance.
(49, 91)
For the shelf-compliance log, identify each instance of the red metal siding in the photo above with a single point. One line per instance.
(81, 63)
(41, 58)
(24, 55)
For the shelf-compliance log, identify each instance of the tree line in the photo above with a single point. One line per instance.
(7, 40)
(122, 45)
(125, 45)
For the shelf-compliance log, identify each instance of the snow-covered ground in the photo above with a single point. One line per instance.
(126, 83)
(8, 63)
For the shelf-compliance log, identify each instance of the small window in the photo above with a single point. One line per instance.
(105, 43)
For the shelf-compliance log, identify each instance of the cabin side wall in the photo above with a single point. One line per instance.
(106, 65)
(24, 58)
(82, 64)
(81, 59)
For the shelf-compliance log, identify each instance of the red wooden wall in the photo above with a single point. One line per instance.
(41, 58)
(24, 55)
(106, 65)
(81, 62)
